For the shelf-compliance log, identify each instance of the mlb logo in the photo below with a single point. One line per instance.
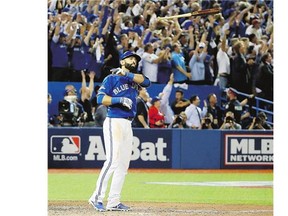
(65, 144)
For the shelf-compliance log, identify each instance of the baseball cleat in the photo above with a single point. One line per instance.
(97, 205)
(119, 207)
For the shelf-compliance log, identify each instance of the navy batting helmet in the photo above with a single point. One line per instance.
(129, 54)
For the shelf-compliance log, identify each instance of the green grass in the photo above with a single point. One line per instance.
(79, 186)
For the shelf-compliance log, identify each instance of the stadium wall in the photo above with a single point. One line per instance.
(165, 148)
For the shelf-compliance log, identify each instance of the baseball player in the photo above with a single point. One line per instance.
(118, 92)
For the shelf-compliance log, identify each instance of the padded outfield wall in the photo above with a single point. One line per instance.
(165, 148)
(161, 148)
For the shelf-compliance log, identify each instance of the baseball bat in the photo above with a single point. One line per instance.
(195, 13)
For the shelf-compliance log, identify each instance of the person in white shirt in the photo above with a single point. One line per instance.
(196, 62)
(150, 62)
(165, 107)
(223, 62)
(255, 28)
(194, 113)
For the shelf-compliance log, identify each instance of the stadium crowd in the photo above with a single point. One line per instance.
(232, 49)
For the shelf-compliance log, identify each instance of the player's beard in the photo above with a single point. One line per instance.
(131, 67)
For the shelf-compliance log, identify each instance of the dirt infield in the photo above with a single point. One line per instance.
(165, 171)
(76, 208)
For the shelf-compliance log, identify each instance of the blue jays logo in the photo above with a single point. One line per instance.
(65, 145)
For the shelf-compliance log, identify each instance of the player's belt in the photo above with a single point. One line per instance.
(224, 74)
(129, 118)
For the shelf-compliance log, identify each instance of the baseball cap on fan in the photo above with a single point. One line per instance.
(63, 34)
(231, 91)
(129, 54)
(255, 21)
(70, 90)
(78, 36)
(201, 45)
(155, 99)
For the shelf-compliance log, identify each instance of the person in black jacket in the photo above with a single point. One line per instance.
(110, 49)
(215, 111)
(241, 116)
(241, 78)
(141, 119)
(264, 79)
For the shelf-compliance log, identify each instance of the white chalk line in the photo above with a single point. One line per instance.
(219, 183)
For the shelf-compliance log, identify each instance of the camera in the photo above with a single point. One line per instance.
(207, 121)
(179, 119)
(68, 111)
(55, 120)
(258, 120)
(229, 119)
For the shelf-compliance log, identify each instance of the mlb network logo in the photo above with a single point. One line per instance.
(65, 144)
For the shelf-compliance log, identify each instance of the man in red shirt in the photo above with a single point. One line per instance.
(156, 118)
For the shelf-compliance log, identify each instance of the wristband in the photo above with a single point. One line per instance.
(146, 82)
(130, 75)
(115, 100)
(100, 98)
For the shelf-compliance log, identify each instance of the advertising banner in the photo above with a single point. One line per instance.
(243, 150)
(84, 148)
(152, 148)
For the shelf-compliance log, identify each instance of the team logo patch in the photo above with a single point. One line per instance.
(65, 144)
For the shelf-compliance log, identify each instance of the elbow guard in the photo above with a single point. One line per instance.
(146, 82)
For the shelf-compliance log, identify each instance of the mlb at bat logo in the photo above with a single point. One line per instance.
(65, 144)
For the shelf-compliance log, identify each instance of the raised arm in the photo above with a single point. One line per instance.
(57, 28)
(191, 37)
(232, 18)
(117, 21)
(83, 85)
(59, 4)
(69, 24)
(165, 9)
(178, 30)
(105, 29)
(204, 37)
(160, 57)
(91, 82)
(140, 79)
(223, 43)
(72, 32)
(95, 9)
(239, 17)
(167, 90)
(91, 30)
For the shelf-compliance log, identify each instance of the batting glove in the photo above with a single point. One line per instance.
(118, 71)
(126, 102)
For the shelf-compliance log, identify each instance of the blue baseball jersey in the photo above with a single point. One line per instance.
(120, 86)
(79, 57)
(59, 54)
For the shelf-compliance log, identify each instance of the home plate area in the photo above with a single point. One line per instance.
(76, 208)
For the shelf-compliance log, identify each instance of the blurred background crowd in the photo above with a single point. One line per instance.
(232, 49)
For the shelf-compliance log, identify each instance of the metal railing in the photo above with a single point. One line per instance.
(260, 105)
